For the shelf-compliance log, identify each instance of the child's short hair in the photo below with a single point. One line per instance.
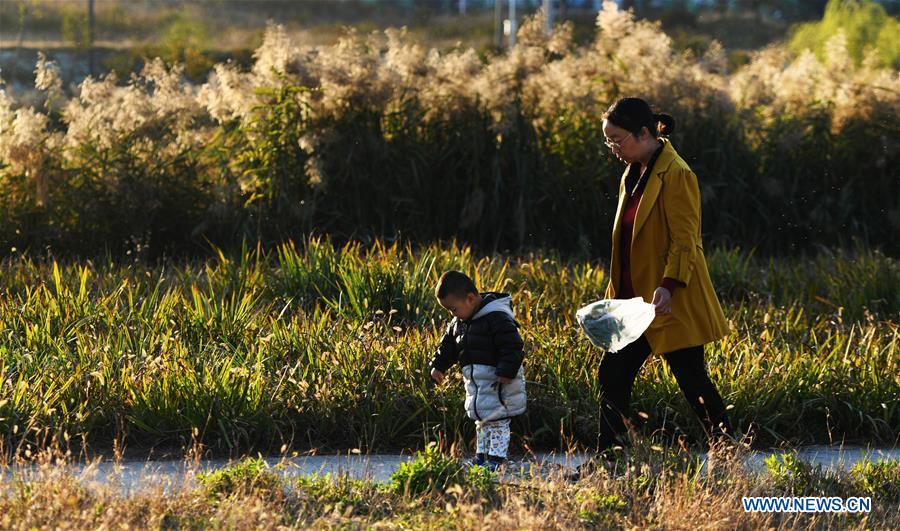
(456, 284)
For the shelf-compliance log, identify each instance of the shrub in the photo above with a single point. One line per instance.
(865, 25)
(600, 510)
(244, 477)
(433, 472)
(880, 478)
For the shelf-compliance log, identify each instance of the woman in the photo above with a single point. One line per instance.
(657, 255)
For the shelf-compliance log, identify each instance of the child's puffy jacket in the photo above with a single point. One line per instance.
(487, 346)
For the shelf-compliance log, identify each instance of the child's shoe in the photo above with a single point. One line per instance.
(493, 463)
(478, 460)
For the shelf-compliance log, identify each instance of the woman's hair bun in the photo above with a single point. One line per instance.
(634, 114)
(665, 124)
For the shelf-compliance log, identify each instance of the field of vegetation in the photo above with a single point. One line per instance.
(318, 346)
(377, 135)
(243, 262)
(652, 490)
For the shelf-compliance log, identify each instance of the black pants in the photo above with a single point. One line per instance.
(616, 378)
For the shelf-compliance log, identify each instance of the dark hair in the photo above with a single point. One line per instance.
(456, 284)
(633, 114)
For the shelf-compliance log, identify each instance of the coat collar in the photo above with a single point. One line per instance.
(494, 302)
(648, 197)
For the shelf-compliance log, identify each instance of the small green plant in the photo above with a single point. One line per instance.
(337, 491)
(881, 478)
(481, 481)
(249, 475)
(791, 474)
(601, 510)
(430, 471)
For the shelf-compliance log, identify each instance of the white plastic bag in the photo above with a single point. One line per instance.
(612, 324)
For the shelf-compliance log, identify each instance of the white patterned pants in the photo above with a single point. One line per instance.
(492, 438)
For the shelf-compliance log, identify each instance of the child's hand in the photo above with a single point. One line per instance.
(437, 376)
(504, 380)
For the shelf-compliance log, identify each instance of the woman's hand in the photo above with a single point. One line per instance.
(504, 380)
(662, 300)
(437, 376)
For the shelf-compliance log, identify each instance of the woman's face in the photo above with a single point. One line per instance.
(624, 144)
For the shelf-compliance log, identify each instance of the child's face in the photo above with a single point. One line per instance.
(461, 307)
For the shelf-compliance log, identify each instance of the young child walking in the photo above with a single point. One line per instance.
(484, 339)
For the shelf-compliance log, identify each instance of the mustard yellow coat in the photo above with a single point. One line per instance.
(666, 243)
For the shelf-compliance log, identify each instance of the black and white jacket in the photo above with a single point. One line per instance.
(486, 346)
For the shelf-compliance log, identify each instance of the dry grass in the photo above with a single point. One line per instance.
(653, 491)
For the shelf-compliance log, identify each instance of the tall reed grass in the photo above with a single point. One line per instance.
(377, 136)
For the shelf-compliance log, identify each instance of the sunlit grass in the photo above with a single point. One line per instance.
(318, 345)
(650, 488)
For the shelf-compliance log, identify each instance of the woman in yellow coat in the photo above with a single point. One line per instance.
(658, 255)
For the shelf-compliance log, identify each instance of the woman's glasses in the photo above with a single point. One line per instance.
(617, 144)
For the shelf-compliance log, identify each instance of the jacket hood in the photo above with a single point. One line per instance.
(495, 302)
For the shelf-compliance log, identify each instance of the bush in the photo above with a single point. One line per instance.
(433, 472)
(244, 477)
(865, 25)
(338, 492)
(881, 478)
(602, 511)
(791, 474)
(430, 471)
